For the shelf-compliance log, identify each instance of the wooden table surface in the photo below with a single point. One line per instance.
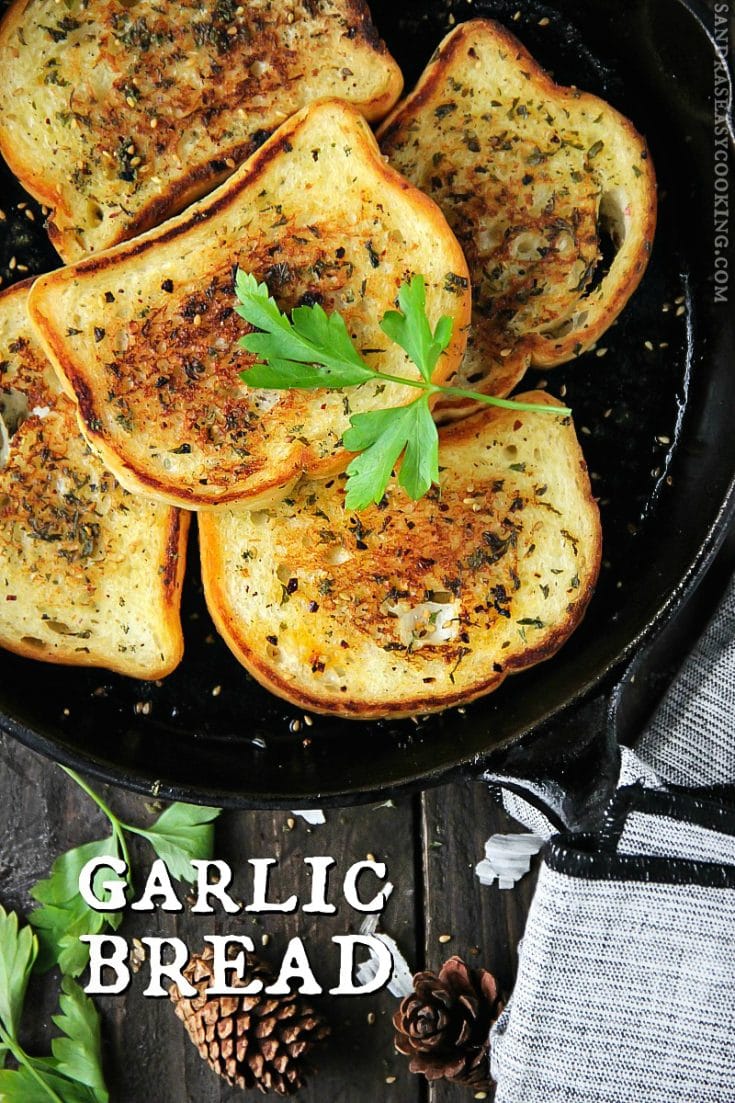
(430, 843)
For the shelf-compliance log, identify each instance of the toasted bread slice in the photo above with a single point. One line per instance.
(117, 115)
(146, 337)
(411, 607)
(530, 175)
(89, 575)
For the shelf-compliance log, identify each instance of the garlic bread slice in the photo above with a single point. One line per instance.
(146, 337)
(89, 574)
(410, 607)
(530, 176)
(117, 115)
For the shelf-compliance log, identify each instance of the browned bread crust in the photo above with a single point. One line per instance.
(527, 173)
(145, 335)
(411, 607)
(89, 575)
(117, 115)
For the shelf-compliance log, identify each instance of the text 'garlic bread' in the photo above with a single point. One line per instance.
(410, 607)
(118, 114)
(146, 335)
(89, 575)
(530, 176)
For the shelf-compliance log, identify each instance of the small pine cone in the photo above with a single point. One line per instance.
(443, 1026)
(257, 1041)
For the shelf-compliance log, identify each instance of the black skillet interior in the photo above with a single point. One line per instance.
(654, 419)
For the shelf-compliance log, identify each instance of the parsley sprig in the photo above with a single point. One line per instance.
(180, 833)
(73, 1072)
(313, 350)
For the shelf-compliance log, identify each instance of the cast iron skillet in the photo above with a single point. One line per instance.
(655, 417)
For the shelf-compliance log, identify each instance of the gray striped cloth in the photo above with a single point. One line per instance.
(626, 980)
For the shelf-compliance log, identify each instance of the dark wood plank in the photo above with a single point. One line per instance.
(42, 813)
(485, 923)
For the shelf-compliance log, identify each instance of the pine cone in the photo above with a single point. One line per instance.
(255, 1041)
(443, 1026)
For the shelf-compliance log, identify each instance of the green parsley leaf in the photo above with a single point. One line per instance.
(18, 950)
(182, 832)
(313, 350)
(289, 350)
(20, 1086)
(78, 1054)
(411, 330)
(64, 915)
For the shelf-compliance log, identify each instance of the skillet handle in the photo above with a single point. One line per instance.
(571, 764)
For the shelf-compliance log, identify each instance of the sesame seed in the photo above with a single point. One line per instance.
(12, 264)
(66, 712)
(265, 939)
(290, 823)
(480, 1095)
(371, 1018)
(130, 149)
(608, 412)
(23, 268)
(3, 215)
(505, 352)
(391, 1079)
(232, 31)
(197, 320)
(216, 690)
(678, 300)
(30, 215)
(153, 123)
(516, 17)
(586, 430)
(664, 440)
(230, 162)
(648, 345)
(666, 308)
(601, 352)
(308, 721)
(680, 310)
(370, 857)
(563, 390)
(663, 344)
(544, 22)
(295, 726)
(462, 711)
(444, 938)
(130, 101)
(22, 206)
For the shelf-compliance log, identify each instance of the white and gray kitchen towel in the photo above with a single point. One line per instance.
(626, 978)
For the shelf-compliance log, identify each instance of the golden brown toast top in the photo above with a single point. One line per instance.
(89, 575)
(145, 336)
(116, 114)
(409, 607)
(529, 175)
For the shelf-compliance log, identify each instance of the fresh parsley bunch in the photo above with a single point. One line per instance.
(179, 834)
(73, 1072)
(312, 350)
